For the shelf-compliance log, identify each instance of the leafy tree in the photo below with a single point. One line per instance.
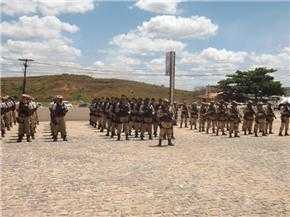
(258, 82)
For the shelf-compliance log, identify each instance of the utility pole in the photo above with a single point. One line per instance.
(25, 64)
(170, 70)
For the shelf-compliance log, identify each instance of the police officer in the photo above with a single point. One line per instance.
(24, 113)
(59, 111)
(184, 114)
(248, 118)
(147, 112)
(202, 116)
(234, 120)
(211, 117)
(260, 120)
(270, 115)
(166, 123)
(193, 115)
(221, 115)
(122, 111)
(285, 114)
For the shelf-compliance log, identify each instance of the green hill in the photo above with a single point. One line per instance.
(81, 87)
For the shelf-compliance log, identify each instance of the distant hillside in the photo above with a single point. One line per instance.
(80, 87)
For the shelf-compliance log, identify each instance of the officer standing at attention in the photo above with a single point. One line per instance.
(122, 111)
(285, 114)
(147, 112)
(59, 110)
(248, 118)
(260, 120)
(166, 123)
(234, 120)
(269, 118)
(24, 113)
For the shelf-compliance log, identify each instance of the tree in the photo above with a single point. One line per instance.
(258, 82)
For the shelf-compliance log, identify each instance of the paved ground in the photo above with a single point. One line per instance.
(91, 175)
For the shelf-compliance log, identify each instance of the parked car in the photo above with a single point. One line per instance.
(83, 104)
(68, 104)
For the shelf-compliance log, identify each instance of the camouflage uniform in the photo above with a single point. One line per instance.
(108, 117)
(211, 117)
(147, 112)
(166, 123)
(33, 118)
(269, 119)
(156, 105)
(260, 120)
(138, 117)
(3, 110)
(113, 117)
(285, 114)
(184, 115)
(193, 116)
(202, 117)
(221, 114)
(24, 113)
(122, 111)
(234, 120)
(248, 118)
(59, 111)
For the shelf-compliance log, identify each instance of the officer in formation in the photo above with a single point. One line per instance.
(27, 117)
(218, 117)
(58, 110)
(141, 116)
(183, 114)
(8, 114)
(285, 114)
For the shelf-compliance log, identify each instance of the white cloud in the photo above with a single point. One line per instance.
(158, 6)
(167, 26)
(55, 49)
(140, 44)
(34, 27)
(223, 55)
(53, 7)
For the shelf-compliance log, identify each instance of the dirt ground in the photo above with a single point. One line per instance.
(93, 175)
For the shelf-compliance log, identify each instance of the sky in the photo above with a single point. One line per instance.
(129, 39)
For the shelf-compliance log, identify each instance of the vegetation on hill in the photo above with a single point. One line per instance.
(77, 88)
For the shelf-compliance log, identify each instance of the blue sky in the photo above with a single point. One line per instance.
(134, 36)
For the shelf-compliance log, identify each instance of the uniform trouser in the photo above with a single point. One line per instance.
(201, 124)
(165, 133)
(10, 118)
(104, 121)
(113, 127)
(210, 124)
(59, 126)
(221, 124)
(137, 126)
(6, 120)
(260, 126)
(2, 125)
(269, 125)
(193, 121)
(93, 119)
(32, 126)
(234, 127)
(247, 125)
(24, 127)
(14, 116)
(121, 126)
(155, 127)
(284, 125)
(183, 119)
(146, 127)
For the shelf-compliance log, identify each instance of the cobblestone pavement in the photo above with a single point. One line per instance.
(92, 175)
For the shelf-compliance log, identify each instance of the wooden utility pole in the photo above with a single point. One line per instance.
(170, 70)
(25, 64)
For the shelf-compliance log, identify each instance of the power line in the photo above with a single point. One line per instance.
(25, 64)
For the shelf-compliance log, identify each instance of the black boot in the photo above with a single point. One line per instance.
(170, 143)
(28, 139)
(119, 137)
(64, 138)
(160, 142)
(142, 136)
(136, 134)
(19, 139)
(150, 136)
